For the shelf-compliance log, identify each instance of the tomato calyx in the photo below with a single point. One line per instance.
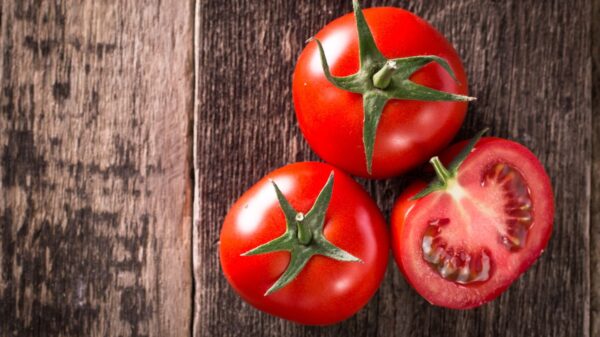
(303, 237)
(446, 177)
(380, 80)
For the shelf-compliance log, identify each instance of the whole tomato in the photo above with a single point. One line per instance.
(464, 238)
(385, 94)
(306, 243)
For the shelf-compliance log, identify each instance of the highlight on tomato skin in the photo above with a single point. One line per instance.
(342, 226)
(466, 241)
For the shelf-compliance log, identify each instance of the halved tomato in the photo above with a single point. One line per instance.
(462, 240)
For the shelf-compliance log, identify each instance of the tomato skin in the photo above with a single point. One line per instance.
(406, 232)
(409, 132)
(326, 291)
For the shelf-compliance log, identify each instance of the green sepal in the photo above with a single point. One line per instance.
(434, 185)
(279, 244)
(286, 207)
(330, 250)
(369, 80)
(407, 66)
(357, 83)
(443, 175)
(368, 52)
(299, 257)
(291, 241)
(315, 218)
(462, 155)
(373, 104)
(410, 90)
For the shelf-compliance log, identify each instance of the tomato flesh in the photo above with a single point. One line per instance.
(463, 246)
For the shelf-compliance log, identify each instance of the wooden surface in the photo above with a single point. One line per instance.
(528, 64)
(595, 205)
(95, 150)
(104, 104)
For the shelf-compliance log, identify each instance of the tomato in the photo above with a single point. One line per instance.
(408, 131)
(325, 290)
(466, 241)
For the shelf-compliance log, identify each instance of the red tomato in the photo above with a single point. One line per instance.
(409, 131)
(326, 291)
(463, 245)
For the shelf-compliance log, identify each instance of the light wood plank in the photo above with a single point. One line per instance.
(95, 202)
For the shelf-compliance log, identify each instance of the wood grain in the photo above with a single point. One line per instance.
(95, 203)
(529, 65)
(595, 204)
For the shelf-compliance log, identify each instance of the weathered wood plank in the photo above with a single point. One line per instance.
(529, 65)
(95, 202)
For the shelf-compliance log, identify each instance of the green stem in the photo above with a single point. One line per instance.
(383, 77)
(304, 235)
(443, 174)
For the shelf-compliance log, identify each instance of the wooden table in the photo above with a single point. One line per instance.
(127, 129)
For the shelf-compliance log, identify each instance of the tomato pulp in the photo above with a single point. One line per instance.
(463, 245)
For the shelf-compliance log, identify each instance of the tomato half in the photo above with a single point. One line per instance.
(409, 131)
(462, 245)
(325, 291)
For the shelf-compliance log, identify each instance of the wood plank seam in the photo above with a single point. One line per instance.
(194, 326)
(594, 326)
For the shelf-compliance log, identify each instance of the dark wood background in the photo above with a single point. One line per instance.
(128, 128)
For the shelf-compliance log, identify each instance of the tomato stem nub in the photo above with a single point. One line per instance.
(443, 174)
(383, 77)
(304, 235)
